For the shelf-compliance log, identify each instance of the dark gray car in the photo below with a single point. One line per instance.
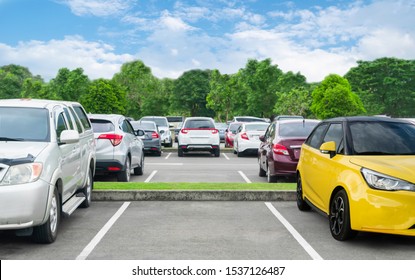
(151, 138)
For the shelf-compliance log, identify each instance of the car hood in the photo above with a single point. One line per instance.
(20, 150)
(402, 167)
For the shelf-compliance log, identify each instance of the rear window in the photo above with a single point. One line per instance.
(199, 124)
(144, 125)
(300, 129)
(102, 126)
(158, 121)
(252, 127)
(24, 124)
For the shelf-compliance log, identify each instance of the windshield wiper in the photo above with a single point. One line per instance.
(10, 139)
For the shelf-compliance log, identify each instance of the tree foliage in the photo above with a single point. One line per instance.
(12, 78)
(69, 85)
(386, 86)
(334, 98)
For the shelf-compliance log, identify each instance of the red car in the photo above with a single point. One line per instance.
(230, 133)
(280, 147)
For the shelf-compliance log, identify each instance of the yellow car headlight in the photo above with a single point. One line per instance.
(22, 173)
(380, 181)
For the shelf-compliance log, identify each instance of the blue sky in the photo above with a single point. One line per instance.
(315, 38)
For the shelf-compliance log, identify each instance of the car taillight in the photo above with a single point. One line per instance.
(155, 135)
(280, 150)
(114, 138)
(215, 131)
(244, 136)
(184, 131)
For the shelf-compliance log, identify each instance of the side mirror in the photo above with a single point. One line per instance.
(140, 133)
(328, 148)
(262, 138)
(162, 131)
(69, 137)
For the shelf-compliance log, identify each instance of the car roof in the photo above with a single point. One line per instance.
(111, 117)
(364, 118)
(30, 103)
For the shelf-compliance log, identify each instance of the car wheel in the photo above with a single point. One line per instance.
(124, 176)
(87, 190)
(48, 232)
(217, 152)
(140, 169)
(301, 204)
(271, 178)
(339, 217)
(262, 172)
(239, 154)
(180, 152)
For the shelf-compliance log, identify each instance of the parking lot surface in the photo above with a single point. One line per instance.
(202, 230)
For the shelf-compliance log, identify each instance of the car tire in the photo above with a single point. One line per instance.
(339, 217)
(262, 172)
(87, 190)
(124, 176)
(180, 152)
(48, 232)
(139, 170)
(239, 154)
(271, 178)
(217, 152)
(301, 203)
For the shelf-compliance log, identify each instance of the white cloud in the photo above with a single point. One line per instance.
(45, 58)
(99, 8)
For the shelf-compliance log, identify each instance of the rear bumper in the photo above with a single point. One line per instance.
(109, 166)
(198, 147)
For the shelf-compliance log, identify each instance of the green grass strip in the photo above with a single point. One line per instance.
(193, 186)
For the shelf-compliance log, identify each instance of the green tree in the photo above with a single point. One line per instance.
(334, 98)
(259, 80)
(104, 97)
(190, 93)
(295, 102)
(12, 78)
(69, 85)
(141, 86)
(386, 86)
(220, 98)
(35, 88)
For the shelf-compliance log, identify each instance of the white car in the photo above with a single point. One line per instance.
(198, 134)
(47, 164)
(247, 137)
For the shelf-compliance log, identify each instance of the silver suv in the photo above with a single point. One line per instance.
(47, 164)
(198, 134)
(119, 150)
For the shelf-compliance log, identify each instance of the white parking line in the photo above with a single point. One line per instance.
(164, 163)
(97, 238)
(307, 247)
(244, 176)
(225, 156)
(168, 155)
(151, 176)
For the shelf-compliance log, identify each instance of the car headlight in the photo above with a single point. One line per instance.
(22, 173)
(380, 181)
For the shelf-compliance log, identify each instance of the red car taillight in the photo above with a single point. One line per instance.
(214, 131)
(280, 150)
(155, 135)
(184, 131)
(114, 138)
(244, 136)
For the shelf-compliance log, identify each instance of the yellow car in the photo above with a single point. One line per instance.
(360, 172)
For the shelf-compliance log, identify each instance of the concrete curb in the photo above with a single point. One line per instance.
(140, 195)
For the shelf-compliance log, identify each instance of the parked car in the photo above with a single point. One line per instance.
(221, 127)
(176, 131)
(247, 138)
(247, 119)
(164, 128)
(230, 133)
(118, 149)
(280, 147)
(360, 173)
(150, 137)
(47, 165)
(198, 134)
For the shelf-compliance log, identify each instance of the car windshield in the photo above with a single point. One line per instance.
(24, 124)
(257, 126)
(144, 125)
(383, 138)
(99, 126)
(296, 129)
(199, 124)
(221, 125)
(249, 119)
(233, 127)
(158, 121)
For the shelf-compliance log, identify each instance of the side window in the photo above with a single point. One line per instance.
(82, 117)
(269, 134)
(78, 123)
(69, 118)
(60, 125)
(126, 127)
(335, 133)
(315, 140)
